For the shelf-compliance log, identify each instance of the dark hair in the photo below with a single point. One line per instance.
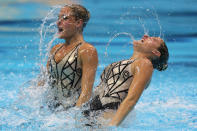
(80, 12)
(161, 63)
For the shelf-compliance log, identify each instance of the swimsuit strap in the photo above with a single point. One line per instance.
(58, 49)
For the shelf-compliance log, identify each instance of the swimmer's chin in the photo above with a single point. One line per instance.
(135, 42)
(60, 36)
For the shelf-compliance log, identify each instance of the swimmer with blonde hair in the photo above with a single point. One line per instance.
(72, 65)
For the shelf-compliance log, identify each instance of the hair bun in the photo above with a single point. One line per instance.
(165, 66)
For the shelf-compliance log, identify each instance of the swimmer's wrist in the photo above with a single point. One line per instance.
(112, 123)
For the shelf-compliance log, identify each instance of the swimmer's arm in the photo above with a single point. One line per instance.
(142, 75)
(89, 58)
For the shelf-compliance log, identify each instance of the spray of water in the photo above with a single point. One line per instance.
(143, 25)
(44, 30)
(116, 35)
(161, 34)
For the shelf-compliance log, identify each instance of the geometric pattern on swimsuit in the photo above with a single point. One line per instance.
(115, 82)
(66, 75)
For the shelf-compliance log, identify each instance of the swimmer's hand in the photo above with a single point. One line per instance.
(112, 124)
(41, 83)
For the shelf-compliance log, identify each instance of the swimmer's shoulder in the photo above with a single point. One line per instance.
(142, 64)
(55, 47)
(87, 49)
(88, 52)
(87, 46)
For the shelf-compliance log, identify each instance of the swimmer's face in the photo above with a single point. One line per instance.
(147, 44)
(67, 24)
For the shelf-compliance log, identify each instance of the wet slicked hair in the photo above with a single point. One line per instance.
(161, 63)
(80, 12)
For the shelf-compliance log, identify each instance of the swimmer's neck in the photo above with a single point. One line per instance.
(75, 39)
(138, 55)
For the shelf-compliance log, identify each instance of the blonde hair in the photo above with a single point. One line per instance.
(80, 12)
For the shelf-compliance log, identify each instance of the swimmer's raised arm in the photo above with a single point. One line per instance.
(89, 61)
(142, 75)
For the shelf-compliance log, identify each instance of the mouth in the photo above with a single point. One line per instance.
(144, 37)
(60, 30)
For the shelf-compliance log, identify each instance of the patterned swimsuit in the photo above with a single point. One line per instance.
(113, 88)
(65, 78)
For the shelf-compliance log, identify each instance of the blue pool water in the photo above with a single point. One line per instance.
(170, 102)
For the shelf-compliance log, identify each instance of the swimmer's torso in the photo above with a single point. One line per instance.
(65, 77)
(115, 82)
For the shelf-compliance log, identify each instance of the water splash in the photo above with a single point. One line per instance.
(116, 35)
(161, 34)
(49, 47)
(44, 29)
(146, 25)
(143, 25)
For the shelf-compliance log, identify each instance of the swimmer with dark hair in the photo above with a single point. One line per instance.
(123, 82)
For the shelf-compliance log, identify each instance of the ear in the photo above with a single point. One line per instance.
(156, 52)
(79, 23)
